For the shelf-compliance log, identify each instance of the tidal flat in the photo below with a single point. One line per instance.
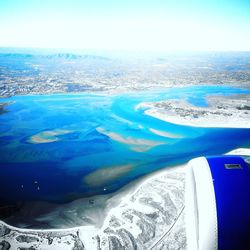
(82, 168)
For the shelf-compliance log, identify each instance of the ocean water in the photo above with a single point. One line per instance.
(61, 147)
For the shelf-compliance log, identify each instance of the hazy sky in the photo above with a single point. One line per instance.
(160, 25)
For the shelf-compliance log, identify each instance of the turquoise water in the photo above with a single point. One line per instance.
(62, 147)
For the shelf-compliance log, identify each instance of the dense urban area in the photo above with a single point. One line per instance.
(33, 73)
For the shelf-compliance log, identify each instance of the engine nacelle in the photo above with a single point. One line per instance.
(217, 201)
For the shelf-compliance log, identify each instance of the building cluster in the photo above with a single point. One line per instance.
(33, 75)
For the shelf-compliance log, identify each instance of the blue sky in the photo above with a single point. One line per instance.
(145, 25)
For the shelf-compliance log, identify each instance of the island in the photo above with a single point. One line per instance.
(221, 111)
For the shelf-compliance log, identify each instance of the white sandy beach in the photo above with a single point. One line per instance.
(217, 122)
(222, 112)
(147, 213)
(129, 219)
(138, 216)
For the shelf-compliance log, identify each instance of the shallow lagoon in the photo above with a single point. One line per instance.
(62, 147)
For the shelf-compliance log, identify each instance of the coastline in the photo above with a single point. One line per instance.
(126, 217)
(136, 199)
(146, 202)
(202, 122)
(221, 112)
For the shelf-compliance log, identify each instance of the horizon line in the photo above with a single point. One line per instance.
(119, 50)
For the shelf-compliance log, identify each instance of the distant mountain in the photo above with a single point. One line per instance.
(16, 55)
(64, 56)
(70, 56)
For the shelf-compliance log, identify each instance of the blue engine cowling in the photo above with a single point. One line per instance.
(218, 203)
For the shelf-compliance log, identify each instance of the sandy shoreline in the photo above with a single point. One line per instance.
(202, 122)
(118, 225)
(129, 221)
(128, 217)
(222, 112)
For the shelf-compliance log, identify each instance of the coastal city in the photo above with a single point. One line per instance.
(192, 97)
(27, 73)
(124, 125)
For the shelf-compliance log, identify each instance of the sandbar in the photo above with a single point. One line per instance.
(48, 136)
(221, 112)
(137, 144)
